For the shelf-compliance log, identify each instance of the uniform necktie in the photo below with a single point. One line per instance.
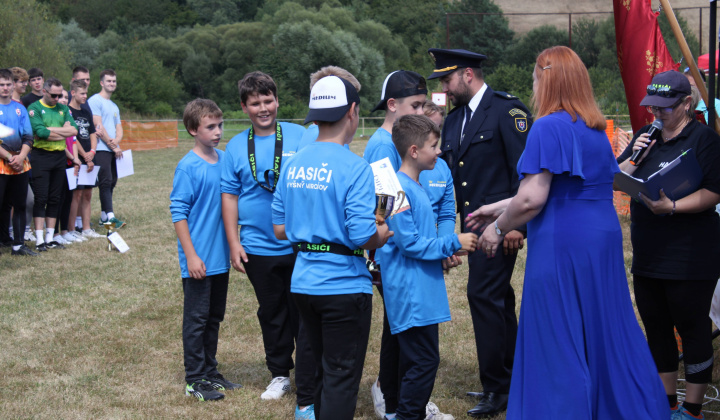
(468, 114)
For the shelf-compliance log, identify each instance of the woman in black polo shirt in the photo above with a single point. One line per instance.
(676, 244)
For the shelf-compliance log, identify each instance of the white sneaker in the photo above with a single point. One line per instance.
(433, 413)
(90, 233)
(70, 237)
(278, 387)
(378, 400)
(29, 236)
(62, 241)
(78, 236)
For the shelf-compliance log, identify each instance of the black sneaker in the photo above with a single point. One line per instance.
(221, 384)
(41, 248)
(203, 391)
(55, 245)
(24, 251)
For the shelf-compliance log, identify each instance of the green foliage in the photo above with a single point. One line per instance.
(671, 41)
(302, 48)
(527, 48)
(29, 38)
(513, 79)
(83, 48)
(486, 34)
(144, 85)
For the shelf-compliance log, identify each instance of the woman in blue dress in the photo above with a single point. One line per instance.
(580, 352)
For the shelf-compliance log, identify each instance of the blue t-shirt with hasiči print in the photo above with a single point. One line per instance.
(412, 263)
(256, 231)
(15, 116)
(195, 197)
(326, 194)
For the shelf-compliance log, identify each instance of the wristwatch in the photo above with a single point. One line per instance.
(497, 229)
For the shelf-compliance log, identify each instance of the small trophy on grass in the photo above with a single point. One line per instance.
(109, 226)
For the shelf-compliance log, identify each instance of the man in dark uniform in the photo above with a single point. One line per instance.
(483, 139)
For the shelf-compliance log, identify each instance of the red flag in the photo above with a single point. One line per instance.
(642, 53)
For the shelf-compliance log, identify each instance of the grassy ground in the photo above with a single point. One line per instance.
(85, 333)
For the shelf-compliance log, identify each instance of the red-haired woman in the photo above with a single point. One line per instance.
(580, 352)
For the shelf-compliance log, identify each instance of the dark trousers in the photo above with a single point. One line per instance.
(492, 306)
(107, 178)
(48, 182)
(203, 311)
(683, 304)
(63, 222)
(389, 375)
(280, 322)
(338, 327)
(419, 361)
(13, 193)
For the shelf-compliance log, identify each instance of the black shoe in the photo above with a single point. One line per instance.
(41, 248)
(221, 384)
(491, 403)
(203, 391)
(55, 245)
(24, 251)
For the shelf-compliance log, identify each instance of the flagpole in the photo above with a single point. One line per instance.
(667, 8)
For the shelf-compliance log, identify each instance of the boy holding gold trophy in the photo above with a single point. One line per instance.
(412, 269)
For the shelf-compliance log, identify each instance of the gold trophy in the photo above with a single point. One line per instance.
(384, 205)
(109, 227)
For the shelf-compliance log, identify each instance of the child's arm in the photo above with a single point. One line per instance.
(196, 266)
(230, 220)
(413, 245)
(446, 211)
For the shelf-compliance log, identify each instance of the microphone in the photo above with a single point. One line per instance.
(654, 131)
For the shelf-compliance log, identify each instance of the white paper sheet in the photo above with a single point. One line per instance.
(72, 179)
(125, 165)
(87, 178)
(119, 242)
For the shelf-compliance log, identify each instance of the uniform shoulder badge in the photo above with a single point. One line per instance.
(521, 124)
(518, 111)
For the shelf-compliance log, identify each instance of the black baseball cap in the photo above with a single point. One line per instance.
(330, 98)
(447, 61)
(666, 89)
(401, 84)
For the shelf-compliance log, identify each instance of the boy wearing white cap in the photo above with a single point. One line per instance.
(331, 193)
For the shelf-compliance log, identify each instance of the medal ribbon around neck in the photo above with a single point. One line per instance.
(277, 158)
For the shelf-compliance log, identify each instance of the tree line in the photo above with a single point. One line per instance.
(168, 52)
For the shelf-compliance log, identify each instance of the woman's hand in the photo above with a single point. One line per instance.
(483, 216)
(489, 242)
(643, 142)
(663, 205)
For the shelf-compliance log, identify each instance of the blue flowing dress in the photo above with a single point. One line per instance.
(580, 352)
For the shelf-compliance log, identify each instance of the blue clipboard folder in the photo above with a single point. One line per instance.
(679, 178)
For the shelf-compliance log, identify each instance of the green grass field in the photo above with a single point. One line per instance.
(87, 333)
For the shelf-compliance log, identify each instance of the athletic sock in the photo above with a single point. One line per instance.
(39, 237)
(390, 416)
(694, 409)
(16, 247)
(78, 222)
(672, 399)
(50, 233)
(103, 216)
(110, 215)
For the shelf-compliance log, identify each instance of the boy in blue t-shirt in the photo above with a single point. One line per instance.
(202, 249)
(324, 205)
(251, 168)
(412, 268)
(404, 93)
